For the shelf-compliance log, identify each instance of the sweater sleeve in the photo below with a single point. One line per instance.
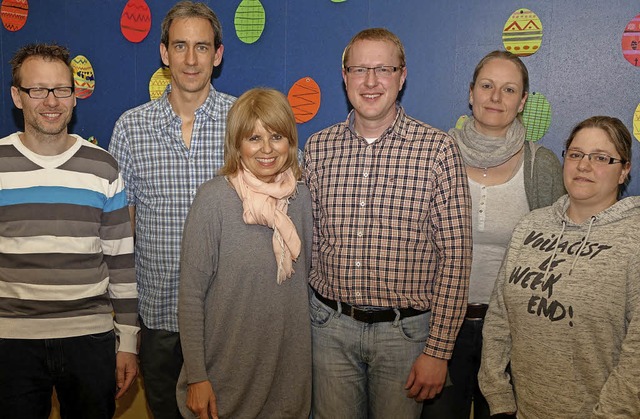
(117, 247)
(493, 377)
(198, 266)
(620, 395)
(546, 182)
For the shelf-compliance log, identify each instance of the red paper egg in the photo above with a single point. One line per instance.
(304, 98)
(135, 22)
(13, 14)
(631, 41)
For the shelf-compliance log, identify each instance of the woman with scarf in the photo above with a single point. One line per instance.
(508, 177)
(565, 312)
(243, 304)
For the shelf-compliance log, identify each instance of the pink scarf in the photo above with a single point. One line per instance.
(267, 204)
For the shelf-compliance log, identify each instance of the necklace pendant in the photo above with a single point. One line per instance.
(484, 171)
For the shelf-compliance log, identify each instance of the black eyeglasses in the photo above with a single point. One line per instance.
(43, 92)
(380, 71)
(600, 159)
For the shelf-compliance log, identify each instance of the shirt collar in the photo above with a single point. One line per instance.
(209, 108)
(394, 129)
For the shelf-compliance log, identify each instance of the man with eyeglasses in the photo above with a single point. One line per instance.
(166, 148)
(66, 255)
(392, 245)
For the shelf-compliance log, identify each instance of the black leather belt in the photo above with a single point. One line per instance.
(476, 311)
(369, 316)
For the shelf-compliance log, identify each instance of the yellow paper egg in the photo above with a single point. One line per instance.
(636, 123)
(461, 120)
(158, 82)
(522, 34)
(83, 77)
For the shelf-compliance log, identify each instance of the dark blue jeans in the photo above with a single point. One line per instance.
(455, 400)
(82, 370)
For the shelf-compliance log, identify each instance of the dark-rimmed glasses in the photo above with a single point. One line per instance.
(600, 159)
(43, 92)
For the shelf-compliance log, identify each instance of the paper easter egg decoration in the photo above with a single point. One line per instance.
(522, 33)
(536, 116)
(135, 22)
(461, 120)
(83, 77)
(249, 21)
(636, 123)
(13, 14)
(631, 41)
(158, 82)
(304, 98)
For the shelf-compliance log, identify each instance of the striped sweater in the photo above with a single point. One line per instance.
(66, 248)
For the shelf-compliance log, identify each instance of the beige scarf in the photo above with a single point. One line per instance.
(267, 204)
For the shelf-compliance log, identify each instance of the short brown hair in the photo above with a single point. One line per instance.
(375, 34)
(273, 110)
(49, 52)
(505, 55)
(190, 9)
(617, 132)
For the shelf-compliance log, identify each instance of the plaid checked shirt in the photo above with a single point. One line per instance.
(392, 222)
(161, 177)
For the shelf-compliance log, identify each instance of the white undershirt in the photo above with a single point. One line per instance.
(495, 212)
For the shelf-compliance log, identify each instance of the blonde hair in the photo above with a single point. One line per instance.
(273, 110)
(375, 34)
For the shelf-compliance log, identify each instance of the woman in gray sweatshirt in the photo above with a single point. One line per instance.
(562, 311)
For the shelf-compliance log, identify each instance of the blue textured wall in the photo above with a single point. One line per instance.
(579, 67)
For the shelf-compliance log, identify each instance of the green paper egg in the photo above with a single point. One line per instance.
(249, 21)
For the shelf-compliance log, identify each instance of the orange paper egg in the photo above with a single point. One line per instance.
(135, 22)
(13, 14)
(304, 98)
(83, 77)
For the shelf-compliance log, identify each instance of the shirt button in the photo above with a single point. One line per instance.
(357, 264)
(363, 203)
(360, 234)
(365, 174)
(358, 294)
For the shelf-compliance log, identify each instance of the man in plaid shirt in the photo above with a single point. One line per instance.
(166, 148)
(392, 245)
